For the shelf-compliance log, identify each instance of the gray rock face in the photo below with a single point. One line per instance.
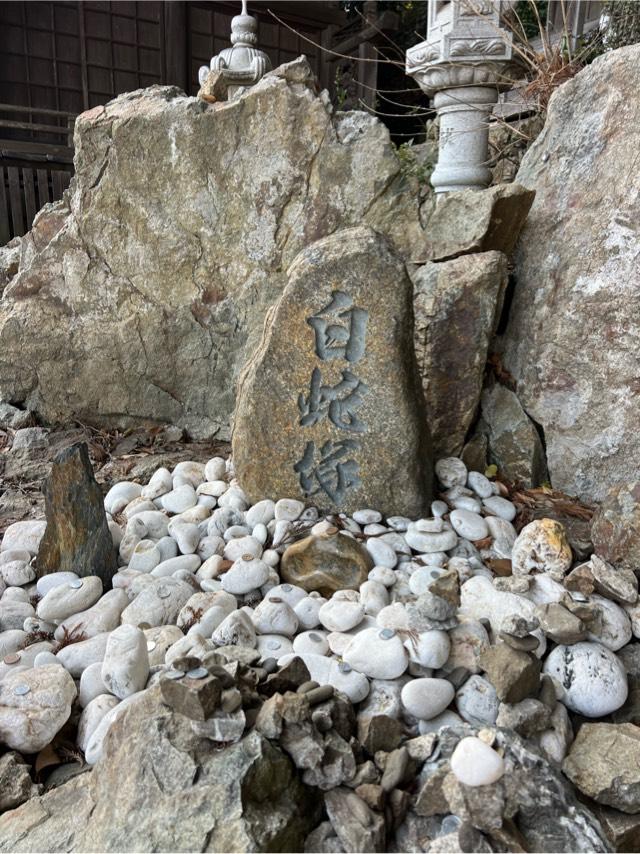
(159, 786)
(153, 277)
(531, 792)
(457, 305)
(574, 326)
(514, 444)
(333, 389)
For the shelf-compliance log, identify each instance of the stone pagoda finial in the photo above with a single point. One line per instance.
(465, 61)
(242, 64)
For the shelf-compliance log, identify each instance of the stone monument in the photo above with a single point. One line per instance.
(329, 407)
(242, 64)
(464, 63)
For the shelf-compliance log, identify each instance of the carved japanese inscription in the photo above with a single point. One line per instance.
(329, 408)
(340, 333)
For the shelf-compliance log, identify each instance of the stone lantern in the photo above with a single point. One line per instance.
(465, 61)
(242, 64)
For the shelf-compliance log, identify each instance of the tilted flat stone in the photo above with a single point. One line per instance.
(457, 307)
(331, 396)
(470, 221)
(77, 537)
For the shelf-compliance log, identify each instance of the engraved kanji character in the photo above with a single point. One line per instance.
(337, 402)
(333, 474)
(344, 336)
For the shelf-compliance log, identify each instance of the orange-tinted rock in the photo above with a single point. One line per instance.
(326, 563)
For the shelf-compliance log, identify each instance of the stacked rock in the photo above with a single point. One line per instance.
(405, 618)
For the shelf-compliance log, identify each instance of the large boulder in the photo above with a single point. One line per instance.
(138, 296)
(573, 338)
(160, 786)
(330, 406)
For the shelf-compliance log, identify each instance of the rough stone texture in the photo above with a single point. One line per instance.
(15, 781)
(572, 338)
(471, 221)
(55, 821)
(545, 814)
(457, 306)
(514, 443)
(615, 528)
(160, 787)
(326, 563)
(77, 537)
(603, 763)
(138, 294)
(344, 321)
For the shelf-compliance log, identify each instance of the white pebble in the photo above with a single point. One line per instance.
(475, 763)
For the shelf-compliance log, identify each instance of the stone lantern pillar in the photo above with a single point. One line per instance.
(465, 61)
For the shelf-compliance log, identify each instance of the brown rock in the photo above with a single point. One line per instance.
(514, 674)
(615, 529)
(288, 678)
(214, 88)
(379, 732)
(326, 563)
(431, 799)
(619, 584)
(457, 306)
(560, 624)
(581, 580)
(623, 830)
(469, 221)
(194, 698)
(348, 429)
(77, 537)
(603, 763)
(372, 795)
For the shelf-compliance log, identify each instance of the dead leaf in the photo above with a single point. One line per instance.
(46, 758)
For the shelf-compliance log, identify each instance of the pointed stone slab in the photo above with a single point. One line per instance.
(77, 536)
(330, 407)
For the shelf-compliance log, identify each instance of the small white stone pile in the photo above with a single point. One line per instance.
(63, 639)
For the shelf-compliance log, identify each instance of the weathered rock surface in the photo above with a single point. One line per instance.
(615, 529)
(603, 763)
(348, 428)
(457, 305)
(469, 221)
(514, 443)
(326, 563)
(160, 786)
(572, 339)
(138, 296)
(77, 537)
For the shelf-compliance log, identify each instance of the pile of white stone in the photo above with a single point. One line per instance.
(199, 571)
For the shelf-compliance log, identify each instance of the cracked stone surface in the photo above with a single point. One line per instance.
(159, 787)
(572, 339)
(139, 294)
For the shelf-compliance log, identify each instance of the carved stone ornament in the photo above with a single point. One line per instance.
(242, 64)
(465, 61)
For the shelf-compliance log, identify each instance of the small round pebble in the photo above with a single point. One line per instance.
(480, 484)
(475, 763)
(502, 507)
(469, 525)
(426, 698)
